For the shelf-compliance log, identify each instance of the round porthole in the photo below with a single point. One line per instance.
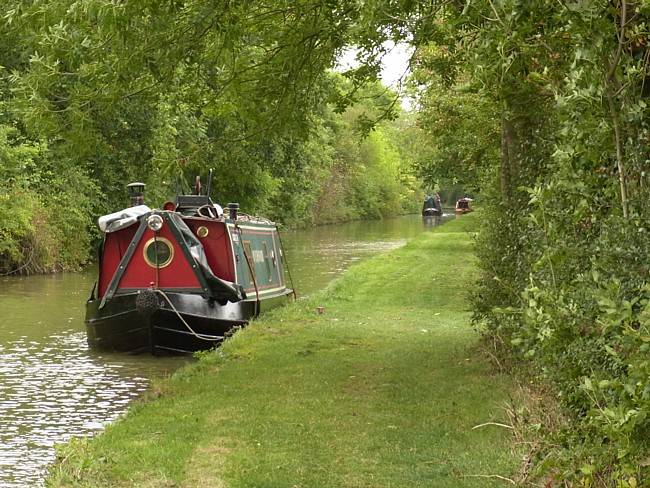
(158, 250)
(202, 231)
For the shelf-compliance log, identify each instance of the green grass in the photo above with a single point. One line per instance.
(381, 390)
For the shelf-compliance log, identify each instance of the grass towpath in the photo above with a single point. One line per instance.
(381, 390)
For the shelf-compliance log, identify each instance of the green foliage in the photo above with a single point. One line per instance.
(460, 128)
(44, 204)
(100, 94)
(541, 106)
(565, 279)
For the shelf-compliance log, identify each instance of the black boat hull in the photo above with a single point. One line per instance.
(190, 323)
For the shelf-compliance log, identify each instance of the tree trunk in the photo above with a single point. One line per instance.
(619, 153)
(507, 156)
(612, 86)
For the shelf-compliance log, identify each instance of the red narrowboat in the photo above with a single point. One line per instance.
(463, 206)
(177, 280)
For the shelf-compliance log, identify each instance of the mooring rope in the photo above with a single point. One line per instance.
(195, 334)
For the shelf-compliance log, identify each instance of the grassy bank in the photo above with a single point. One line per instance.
(381, 390)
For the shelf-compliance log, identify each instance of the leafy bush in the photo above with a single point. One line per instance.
(574, 298)
(43, 206)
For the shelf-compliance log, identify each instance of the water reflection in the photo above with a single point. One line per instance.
(54, 390)
(431, 221)
(52, 387)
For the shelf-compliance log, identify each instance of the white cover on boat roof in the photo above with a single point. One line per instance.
(123, 218)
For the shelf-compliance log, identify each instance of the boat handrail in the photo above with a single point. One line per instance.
(254, 218)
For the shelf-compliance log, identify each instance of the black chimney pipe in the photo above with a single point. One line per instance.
(232, 210)
(136, 193)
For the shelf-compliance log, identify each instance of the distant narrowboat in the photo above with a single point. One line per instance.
(463, 206)
(180, 279)
(432, 206)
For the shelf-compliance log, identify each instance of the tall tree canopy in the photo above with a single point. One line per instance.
(109, 92)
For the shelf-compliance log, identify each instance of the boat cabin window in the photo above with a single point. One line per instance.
(249, 258)
(267, 261)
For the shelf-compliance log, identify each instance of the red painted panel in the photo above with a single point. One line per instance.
(216, 245)
(178, 274)
(115, 246)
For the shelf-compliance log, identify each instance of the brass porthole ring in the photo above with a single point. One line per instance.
(202, 231)
(158, 249)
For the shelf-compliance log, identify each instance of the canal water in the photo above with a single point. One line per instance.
(52, 387)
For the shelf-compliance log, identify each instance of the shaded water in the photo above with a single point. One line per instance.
(52, 387)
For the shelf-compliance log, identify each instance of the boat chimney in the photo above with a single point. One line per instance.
(136, 193)
(232, 210)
